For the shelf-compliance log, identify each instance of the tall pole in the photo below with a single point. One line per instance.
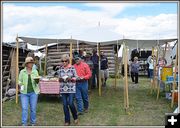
(45, 64)
(17, 67)
(71, 51)
(127, 96)
(174, 82)
(99, 69)
(152, 86)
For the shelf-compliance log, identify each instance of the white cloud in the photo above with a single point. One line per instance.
(62, 22)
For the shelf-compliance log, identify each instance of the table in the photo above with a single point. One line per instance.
(49, 87)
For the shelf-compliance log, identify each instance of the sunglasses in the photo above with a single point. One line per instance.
(64, 61)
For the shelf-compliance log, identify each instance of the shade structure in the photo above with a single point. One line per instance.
(131, 43)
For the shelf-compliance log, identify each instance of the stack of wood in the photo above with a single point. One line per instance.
(9, 66)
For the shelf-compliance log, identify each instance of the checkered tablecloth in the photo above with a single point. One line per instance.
(49, 87)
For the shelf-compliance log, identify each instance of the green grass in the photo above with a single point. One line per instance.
(107, 109)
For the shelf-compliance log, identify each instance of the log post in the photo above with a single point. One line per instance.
(174, 82)
(45, 64)
(17, 67)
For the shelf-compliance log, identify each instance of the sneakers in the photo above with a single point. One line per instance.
(80, 113)
(76, 122)
(86, 110)
(66, 124)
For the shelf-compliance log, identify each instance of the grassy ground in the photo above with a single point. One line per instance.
(108, 109)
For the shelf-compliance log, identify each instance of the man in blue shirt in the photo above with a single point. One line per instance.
(104, 69)
(95, 73)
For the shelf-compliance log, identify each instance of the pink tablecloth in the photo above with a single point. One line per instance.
(49, 87)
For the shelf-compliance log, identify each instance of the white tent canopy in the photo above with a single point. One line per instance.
(131, 43)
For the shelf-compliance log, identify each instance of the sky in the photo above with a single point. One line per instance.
(89, 21)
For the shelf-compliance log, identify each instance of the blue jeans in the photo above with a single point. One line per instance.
(26, 99)
(67, 99)
(82, 95)
(151, 73)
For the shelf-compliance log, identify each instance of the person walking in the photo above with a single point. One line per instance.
(135, 70)
(104, 69)
(67, 78)
(95, 73)
(83, 73)
(29, 90)
(90, 63)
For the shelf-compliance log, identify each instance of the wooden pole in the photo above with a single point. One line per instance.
(164, 53)
(117, 60)
(71, 51)
(125, 100)
(17, 67)
(126, 79)
(100, 92)
(174, 82)
(116, 66)
(45, 61)
(155, 71)
(152, 86)
(115, 80)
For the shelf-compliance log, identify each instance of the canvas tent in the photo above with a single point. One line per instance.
(131, 43)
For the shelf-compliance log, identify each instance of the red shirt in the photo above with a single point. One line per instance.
(83, 70)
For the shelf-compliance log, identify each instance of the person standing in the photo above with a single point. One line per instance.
(151, 68)
(67, 77)
(95, 73)
(83, 73)
(135, 70)
(29, 91)
(104, 69)
(90, 63)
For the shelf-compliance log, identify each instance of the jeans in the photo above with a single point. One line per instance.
(82, 95)
(134, 74)
(95, 75)
(67, 99)
(26, 99)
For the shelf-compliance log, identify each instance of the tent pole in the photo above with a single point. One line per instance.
(126, 79)
(115, 60)
(164, 53)
(158, 85)
(152, 84)
(174, 82)
(99, 69)
(17, 67)
(125, 100)
(77, 45)
(71, 51)
(45, 60)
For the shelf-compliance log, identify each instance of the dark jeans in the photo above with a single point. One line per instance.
(95, 75)
(90, 83)
(67, 99)
(134, 75)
